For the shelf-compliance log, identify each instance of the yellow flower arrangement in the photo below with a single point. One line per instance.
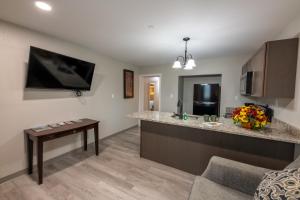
(250, 117)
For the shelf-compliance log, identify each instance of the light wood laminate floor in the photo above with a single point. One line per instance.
(117, 173)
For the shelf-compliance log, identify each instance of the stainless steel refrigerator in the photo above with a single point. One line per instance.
(206, 99)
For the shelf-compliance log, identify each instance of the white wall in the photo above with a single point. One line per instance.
(228, 67)
(20, 110)
(287, 110)
(188, 89)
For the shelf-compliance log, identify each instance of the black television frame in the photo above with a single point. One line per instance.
(58, 88)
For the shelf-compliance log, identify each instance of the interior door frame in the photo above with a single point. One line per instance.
(141, 90)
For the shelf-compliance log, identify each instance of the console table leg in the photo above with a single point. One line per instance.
(40, 160)
(29, 154)
(96, 132)
(85, 140)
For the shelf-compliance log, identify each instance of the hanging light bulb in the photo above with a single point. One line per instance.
(177, 65)
(191, 63)
(187, 67)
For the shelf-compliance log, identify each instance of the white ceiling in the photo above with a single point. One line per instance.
(120, 28)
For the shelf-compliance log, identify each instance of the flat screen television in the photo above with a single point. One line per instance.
(51, 70)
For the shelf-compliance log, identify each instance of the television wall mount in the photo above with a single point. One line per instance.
(78, 93)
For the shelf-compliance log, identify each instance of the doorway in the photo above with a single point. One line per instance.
(149, 98)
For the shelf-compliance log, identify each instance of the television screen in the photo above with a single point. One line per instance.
(55, 71)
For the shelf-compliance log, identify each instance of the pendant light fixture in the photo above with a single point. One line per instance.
(187, 60)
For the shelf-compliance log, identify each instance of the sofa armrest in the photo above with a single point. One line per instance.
(239, 176)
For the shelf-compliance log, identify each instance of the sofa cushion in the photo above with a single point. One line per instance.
(279, 185)
(236, 175)
(204, 189)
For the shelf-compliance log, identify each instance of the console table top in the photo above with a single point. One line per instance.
(67, 127)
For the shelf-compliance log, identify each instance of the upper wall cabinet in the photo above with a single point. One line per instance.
(271, 72)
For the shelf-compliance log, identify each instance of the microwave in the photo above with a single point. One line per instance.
(246, 83)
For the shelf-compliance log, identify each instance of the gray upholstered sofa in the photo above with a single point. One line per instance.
(229, 180)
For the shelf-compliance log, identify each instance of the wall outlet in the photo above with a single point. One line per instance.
(112, 96)
(171, 95)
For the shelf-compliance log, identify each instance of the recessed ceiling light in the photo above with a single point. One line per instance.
(43, 6)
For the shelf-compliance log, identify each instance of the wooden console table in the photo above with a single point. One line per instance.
(61, 131)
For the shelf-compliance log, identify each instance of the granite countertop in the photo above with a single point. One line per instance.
(277, 131)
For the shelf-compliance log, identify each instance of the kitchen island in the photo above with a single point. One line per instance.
(189, 144)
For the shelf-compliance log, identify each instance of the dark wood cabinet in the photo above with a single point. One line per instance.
(189, 149)
(274, 69)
